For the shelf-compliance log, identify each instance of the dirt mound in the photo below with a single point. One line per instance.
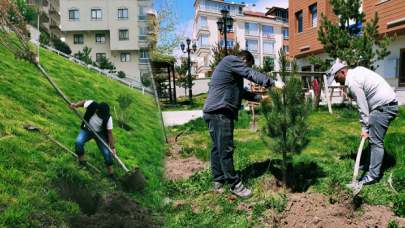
(176, 168)
(42, 220)
(107, 211)
(315, 210)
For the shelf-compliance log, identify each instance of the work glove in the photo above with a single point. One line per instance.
(280, 85)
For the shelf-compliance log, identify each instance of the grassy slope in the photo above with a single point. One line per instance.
(324, 166)
(31, 164)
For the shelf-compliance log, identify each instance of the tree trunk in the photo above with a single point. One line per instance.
(285, 169)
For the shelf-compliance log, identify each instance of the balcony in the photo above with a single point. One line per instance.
(252, 32)
(203, 67)
(203, 50)
(143, 18)
(268, 35)
(55, 29)
(55, 4)
(143, 60)
(284, 20)
(54, 15)
(44, 17)
(270, 51)
(143, 41)
(217, 7)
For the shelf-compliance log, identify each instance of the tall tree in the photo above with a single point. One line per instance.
(287, 115)
(219, 53)
(183, 80)
(268, 66)
(340, 39)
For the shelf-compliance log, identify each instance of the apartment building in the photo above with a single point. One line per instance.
(114, 29)
(49, 17)
(261, 33)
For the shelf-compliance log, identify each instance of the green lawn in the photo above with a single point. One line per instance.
(31, 165)
(325, 166)
(198, 103)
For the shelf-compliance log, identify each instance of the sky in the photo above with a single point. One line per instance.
(185, 8)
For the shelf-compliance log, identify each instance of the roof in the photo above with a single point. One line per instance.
(255, 14)
(271, 10)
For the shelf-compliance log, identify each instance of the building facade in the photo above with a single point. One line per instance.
(49, 17)
(114, 29)
(261, 33)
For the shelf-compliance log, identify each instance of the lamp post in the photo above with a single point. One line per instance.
(224, 26)
(188, 50)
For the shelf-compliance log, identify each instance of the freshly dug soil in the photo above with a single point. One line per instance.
(107, 211)
(176, 168)
(315, 210)
(43, 220)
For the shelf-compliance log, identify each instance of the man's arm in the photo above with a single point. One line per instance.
(362, 106)
(111, 140)
(239, 67)
(251, 96)
(79, 104)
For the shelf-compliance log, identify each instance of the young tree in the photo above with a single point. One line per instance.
(267, 67)
(183, 80)
(286, 116)
(146, 80)
(85, 56)
(44, 39)
(61, 46)
(340, 39)
(219, 53)
(105, 64)
(124, 101)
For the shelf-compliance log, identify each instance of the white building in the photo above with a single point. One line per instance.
(263, 34)
(114, 29)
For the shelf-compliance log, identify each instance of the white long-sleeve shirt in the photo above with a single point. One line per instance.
(369, 90)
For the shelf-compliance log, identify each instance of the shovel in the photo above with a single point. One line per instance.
(253, 125)
(356, 186)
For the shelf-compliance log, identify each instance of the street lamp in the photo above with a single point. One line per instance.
(188, 50)
(224, 26)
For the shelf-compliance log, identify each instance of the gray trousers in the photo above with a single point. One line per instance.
(221, 128)
(379, 121)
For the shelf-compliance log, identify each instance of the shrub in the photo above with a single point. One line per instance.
(61, 46)
(121, 74)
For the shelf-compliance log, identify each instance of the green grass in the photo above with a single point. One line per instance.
(184, 101)
(31, 164)
(324, 166)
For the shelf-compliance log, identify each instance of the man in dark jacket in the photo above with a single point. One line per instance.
(99, 118)
(221, 109)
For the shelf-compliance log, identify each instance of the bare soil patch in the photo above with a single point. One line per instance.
(176, 168)
(107, 211)
(315, 210)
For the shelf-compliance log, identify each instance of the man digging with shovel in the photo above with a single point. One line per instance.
(221, 109)
(377, 105)
(99, 118)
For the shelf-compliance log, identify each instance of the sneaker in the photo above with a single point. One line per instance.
(367, 180)
(82, 164)
(362, 168)
(241, 191)
(218, 186)
(112, 179)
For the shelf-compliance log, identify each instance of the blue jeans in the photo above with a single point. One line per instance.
(85, 136)
(221, 131)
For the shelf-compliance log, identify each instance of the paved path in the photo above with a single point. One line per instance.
(180, 117)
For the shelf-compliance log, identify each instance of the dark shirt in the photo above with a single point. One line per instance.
(226, 86)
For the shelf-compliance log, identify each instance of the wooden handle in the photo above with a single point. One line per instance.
(356, 168)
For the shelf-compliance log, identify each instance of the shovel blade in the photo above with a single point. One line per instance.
(134, 180)
(253, 126)
(356, 186)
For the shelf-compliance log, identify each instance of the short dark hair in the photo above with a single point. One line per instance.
(103, 109)
(247, 54)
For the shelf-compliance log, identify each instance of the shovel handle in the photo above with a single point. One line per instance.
(356, 168)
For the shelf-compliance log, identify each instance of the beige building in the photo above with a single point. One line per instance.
(49, 17)
(114, 29)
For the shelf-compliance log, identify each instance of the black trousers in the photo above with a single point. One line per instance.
(221, 127)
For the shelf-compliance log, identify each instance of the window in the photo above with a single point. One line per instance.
(252, 45)
(268, 47)
(251, 29)
(299, 21)
(123, 14)
(314, 15)
(256, 57)
(268, 31)
(78, 39)
(231, 29)
(125, 57)
(142, 15)
(143, 58)
(285, 33)
(96, 15)
(124, 35)
(203, 41)
(100, 56)
(100, 38)
(229, 43)
(143, 33)
(202, 23)
(73, 15)
(286, 48)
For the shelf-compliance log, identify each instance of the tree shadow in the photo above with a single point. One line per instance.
(300, 176)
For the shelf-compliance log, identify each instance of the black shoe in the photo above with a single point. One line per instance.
(82, 164)
(112, 179)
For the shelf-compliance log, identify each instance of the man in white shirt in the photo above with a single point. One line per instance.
(377, 105)
(99, 118)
